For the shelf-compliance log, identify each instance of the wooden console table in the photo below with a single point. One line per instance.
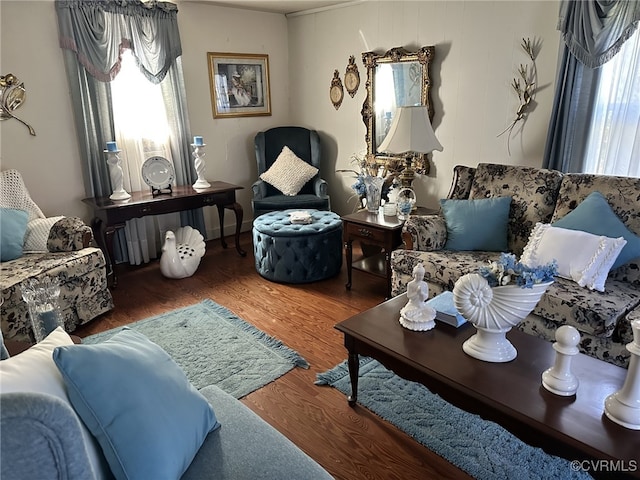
(110, 215)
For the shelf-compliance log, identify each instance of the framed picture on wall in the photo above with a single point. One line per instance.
(239, 84)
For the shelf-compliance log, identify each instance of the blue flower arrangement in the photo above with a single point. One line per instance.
(507, 271)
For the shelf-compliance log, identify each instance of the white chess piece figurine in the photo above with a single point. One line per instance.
(416, 315)
(559, 379)
(623, 406)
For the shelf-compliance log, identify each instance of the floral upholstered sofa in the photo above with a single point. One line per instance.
(538, 196)
(55, 248)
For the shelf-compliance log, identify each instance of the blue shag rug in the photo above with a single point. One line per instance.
(481, 448)
(215, 347)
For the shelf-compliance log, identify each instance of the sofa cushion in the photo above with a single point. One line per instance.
(595, 215)
(13, 226)
(588, 265)
(479, 224)
(533, 192)
(564, 301)
(247, 447)
(149, 420)
(34, 371)
(592, 312)
(289, 173)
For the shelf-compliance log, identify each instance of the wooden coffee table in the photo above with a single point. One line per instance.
(510, 394)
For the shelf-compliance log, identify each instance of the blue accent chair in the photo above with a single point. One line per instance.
(305, 144)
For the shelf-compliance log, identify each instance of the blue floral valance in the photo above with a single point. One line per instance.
(98, 30)
(594, 30)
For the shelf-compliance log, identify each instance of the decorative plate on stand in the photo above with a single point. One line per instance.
(158, 173)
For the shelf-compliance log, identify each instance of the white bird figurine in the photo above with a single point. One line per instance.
(181, 252)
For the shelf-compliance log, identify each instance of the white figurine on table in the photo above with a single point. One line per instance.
(416, 314)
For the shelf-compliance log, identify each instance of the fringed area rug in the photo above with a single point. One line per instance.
(215, 347)
(481, 448)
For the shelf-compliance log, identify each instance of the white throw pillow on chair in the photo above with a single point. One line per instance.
(289, 173)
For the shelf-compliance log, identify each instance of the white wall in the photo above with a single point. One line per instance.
(477, 53)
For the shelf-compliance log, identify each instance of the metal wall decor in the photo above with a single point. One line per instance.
(352, 77)
(336, 91)
(395, 78)
(12, 95)
(526, 90)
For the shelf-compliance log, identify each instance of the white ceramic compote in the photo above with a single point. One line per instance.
(493, 311)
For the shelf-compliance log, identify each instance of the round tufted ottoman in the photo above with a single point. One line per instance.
(290, 253)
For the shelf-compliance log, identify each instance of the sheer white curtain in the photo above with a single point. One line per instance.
(142, 131)
(613, 146)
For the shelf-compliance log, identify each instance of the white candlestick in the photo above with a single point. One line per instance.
(117, 178)
(200, 166)
(623, 406)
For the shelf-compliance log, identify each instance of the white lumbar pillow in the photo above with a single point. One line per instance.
(34, 371)
(289, 173)
(582, 257)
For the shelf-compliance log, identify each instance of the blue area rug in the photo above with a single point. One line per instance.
(215, 347)
(481, 448)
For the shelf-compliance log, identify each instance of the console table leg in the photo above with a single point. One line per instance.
(348, 246)
(354, 369)
(237, 208)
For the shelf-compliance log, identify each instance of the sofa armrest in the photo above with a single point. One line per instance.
(259, 189)
(41, 438)
(424, 232)
(69, 234)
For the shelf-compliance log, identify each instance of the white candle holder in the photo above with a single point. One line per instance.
(117, 178)
(623, 406)
(200, 166)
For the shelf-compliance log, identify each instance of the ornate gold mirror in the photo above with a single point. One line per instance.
(395, 79)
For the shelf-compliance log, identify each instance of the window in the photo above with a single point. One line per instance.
(140, 119)
(613, 145)
(142, 131)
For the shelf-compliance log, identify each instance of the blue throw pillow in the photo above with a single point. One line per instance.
(477, 224)
(595, 215)
(13, 226)
(138, 403)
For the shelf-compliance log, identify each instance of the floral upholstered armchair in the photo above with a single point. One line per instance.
(35, 247)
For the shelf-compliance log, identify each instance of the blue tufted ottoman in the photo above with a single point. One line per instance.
(289, 253)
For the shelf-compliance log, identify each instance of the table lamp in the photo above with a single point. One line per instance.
(410, 133)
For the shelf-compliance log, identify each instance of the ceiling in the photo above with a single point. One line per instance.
(278, 6)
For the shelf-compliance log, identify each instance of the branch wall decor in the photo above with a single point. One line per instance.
(525, 85)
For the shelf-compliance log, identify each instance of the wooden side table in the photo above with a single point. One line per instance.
(376, 230)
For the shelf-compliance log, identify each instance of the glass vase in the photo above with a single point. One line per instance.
(373, 192)
(41, 298)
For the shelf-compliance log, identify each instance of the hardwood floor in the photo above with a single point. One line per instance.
(350, 443)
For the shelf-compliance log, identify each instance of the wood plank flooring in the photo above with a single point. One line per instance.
(350, 443)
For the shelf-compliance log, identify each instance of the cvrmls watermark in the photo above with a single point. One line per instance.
(621, 466)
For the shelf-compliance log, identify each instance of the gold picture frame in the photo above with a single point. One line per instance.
(239, 84)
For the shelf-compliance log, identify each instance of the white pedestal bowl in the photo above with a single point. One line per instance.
(493, 312)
